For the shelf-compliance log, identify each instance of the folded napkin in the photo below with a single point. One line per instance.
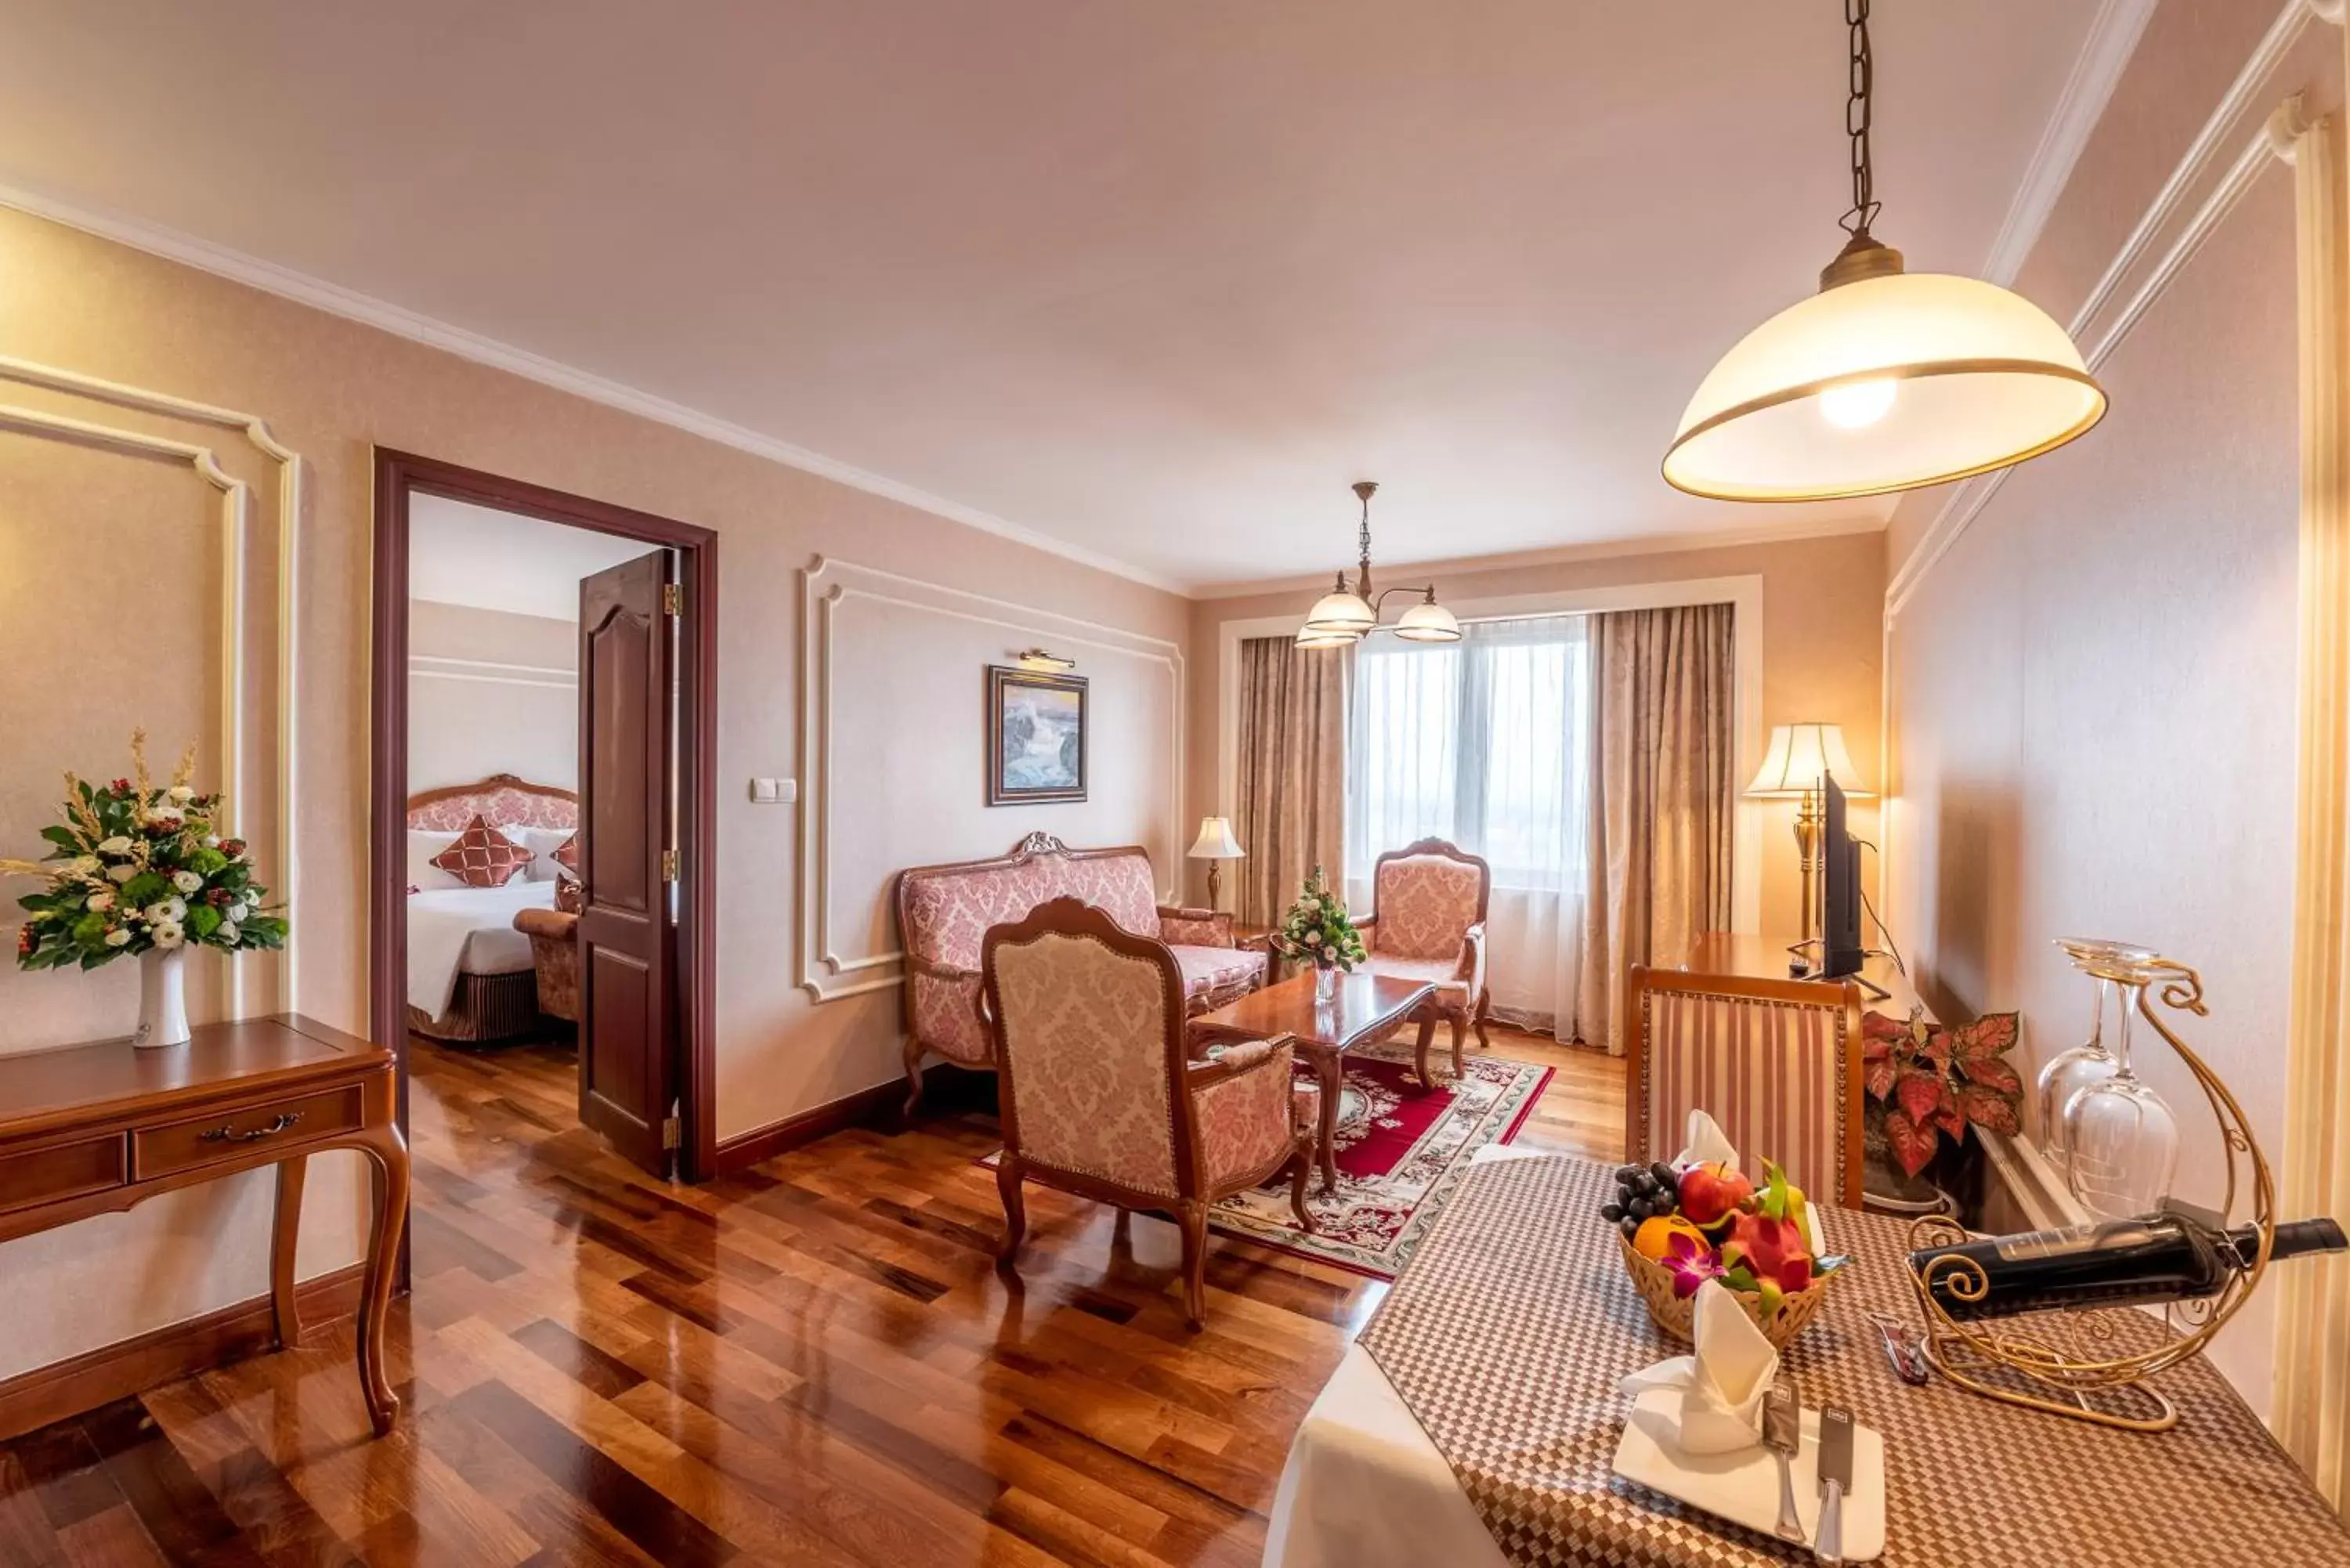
(1722, 1387)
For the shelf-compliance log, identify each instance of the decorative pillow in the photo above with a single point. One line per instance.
(567, 854)
(543, 843)
(483, 857)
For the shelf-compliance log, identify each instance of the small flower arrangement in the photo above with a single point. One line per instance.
(1316, 929)
(137, 867)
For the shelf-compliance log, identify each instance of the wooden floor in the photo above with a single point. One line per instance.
(815, 1363)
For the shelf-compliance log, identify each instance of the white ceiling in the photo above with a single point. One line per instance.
(1154, 282)
(459, 554)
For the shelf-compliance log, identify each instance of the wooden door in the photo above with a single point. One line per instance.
(628, 991)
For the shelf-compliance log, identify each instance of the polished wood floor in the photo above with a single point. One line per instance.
(815, 1363)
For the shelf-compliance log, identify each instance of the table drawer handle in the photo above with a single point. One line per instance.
(230, 1135)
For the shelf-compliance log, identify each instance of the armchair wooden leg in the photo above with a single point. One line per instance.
(1193, 1219)
(913, 1075)
(1015, 1209)
(1484, 1011)
(1301, 1166)
(1460, 1022)
(1419, 1049)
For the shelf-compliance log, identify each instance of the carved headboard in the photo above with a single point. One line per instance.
(501, 798)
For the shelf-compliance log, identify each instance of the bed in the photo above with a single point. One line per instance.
(472, 975)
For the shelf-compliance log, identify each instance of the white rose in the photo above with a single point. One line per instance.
(227, 933)
(212, 841)
(167, 934)
(100, 902)
(167, 911)
(116, 937)
(181, 793)
(186, 881)
(118, 845)
(120, 873)
(163, 814)
(84, 865)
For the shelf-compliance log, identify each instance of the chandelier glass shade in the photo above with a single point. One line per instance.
(1884, 380)
(1349, 612)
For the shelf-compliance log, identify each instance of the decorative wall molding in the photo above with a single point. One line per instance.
(289, 519)
(825, 592)
(2105, 54)
(2313, 1324)
(437, 668)
(385, 317)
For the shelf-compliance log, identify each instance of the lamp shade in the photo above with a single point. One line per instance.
(1429, 622)
(1340, 610)
(1799, 754)
(1307, 637)
(1884, 383)
(1216, 841)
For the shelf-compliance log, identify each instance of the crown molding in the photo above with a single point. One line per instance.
(2105, 54)
(1597, 550)
(385, 317)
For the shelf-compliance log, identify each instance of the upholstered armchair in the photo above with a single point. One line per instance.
(1098, 1099)
(1777, 1063)
(554, 958)
(1428, 922)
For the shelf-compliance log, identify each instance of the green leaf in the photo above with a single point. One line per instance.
(63, 837)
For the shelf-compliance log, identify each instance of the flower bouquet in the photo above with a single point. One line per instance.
(138, 869)
(1683, 1223)
(1318, 931)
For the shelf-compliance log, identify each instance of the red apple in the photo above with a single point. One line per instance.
(1770, 1249)
(1710, 1193)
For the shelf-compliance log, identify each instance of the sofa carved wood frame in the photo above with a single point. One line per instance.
(1195, 1192)
(1459, 1009)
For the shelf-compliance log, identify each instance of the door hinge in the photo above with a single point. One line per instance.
(669, 1132)
(674, 599)
(669, 864)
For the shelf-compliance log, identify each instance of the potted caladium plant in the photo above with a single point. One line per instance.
(1927, 1084)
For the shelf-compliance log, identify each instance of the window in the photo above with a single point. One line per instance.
(1483, 741)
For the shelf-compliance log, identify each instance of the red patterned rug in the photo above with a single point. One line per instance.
(1401, 1151)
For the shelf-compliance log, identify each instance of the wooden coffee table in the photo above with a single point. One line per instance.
(1366, 1007)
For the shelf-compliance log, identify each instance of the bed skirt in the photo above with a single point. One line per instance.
(482, 1009)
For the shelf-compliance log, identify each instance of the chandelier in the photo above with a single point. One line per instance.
(1344, 614)
(1883, 381)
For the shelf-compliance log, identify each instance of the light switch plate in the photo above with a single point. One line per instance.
(774, 792)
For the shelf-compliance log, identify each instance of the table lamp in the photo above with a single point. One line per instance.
(1800, 755)
(1215, 843)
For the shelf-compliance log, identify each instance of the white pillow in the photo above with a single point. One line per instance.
(422, 875)
(542, 842)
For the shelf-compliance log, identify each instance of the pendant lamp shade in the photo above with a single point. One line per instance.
(1881, 384)
(1326, 639)
(1341, 611)
(1429, 622)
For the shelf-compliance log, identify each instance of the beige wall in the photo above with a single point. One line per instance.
(1820, 656)
(490, 691)
(2091, 695)
(331, 390)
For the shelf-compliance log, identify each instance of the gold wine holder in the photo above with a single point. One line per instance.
(2070, 1363)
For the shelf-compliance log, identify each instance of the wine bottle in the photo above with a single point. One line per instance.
(2154, 1258)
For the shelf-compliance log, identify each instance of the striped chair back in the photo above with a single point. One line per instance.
(1775, 1062)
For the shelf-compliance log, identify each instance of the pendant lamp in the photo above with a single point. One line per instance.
(1884, 379)
(1347, 612)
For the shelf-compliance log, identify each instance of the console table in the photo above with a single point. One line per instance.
(95, 1128)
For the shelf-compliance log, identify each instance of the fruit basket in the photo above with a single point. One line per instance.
(1678, 1226)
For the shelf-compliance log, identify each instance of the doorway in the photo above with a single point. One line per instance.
(628, 823)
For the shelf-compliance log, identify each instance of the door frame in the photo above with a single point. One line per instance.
(399, 476)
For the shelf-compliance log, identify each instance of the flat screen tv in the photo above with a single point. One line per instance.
(1842, 950)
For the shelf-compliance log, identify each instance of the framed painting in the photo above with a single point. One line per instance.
(1035, 737)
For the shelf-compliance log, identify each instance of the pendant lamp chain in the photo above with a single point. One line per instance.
(1863, 212)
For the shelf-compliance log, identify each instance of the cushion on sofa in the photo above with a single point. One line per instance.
(1213, 970)
(948, 912)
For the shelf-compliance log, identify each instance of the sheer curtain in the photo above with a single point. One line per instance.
(1486, 743)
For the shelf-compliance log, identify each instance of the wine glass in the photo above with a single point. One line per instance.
(2068, 1073)
(2122, 1137)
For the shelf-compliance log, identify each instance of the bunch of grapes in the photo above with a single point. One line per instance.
(1642, 1192)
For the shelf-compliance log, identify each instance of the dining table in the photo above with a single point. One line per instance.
(1474, 1422)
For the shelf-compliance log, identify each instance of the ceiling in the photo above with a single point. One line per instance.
(459, 554)
(1151, 282)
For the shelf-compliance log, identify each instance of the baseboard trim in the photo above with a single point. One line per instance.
(31, 1401)
(942, 1083)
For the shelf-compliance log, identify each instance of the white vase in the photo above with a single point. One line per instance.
(162, 998)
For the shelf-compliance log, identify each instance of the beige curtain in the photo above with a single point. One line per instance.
(1292, 811)
(1658, 849)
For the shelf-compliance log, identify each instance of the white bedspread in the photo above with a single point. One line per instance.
(470, 930)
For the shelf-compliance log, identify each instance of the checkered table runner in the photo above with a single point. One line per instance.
(1507, 1333)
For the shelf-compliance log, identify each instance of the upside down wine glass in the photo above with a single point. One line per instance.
(2122, 1137)
(2069, 1072)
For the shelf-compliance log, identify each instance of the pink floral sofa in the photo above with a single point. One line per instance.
(944, 912)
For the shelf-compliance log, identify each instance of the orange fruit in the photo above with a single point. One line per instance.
(1656, 1234)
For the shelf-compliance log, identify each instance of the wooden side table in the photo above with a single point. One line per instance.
(96, 1128)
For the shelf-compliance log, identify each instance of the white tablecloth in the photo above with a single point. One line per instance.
(1364, 1488)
